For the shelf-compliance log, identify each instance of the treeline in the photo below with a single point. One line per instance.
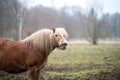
(78, 24)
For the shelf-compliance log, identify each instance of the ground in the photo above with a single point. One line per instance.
(79, 62)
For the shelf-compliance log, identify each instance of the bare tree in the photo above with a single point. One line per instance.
(21, 18)
(6, 19)
(93, 20)
(94, 12)
(18, 11)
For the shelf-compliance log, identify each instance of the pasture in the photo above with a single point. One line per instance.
(79, 62)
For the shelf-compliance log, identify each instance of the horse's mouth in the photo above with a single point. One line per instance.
(63, 47)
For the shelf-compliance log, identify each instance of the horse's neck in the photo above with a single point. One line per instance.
(45, 47)
(45, 51)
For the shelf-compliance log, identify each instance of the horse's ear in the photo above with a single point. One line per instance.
(53, 30)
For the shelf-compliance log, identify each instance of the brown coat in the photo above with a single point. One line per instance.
(16, 57)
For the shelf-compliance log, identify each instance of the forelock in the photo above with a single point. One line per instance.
(62, 31)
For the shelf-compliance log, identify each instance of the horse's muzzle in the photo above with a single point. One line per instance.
(63, 46)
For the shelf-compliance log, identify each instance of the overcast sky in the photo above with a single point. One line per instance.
(111, 6)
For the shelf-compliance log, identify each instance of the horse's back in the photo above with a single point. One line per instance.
(10, 46)
(2, 41)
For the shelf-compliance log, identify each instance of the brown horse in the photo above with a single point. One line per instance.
(31, 53)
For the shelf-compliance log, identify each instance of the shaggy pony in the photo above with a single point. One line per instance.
(31, 53)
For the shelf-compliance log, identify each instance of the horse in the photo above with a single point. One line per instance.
(31, 53)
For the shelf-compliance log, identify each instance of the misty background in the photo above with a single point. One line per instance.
(90, 20)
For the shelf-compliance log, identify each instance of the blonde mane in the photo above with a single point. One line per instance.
(44, 39)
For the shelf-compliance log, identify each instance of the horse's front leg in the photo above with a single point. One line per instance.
(33, 74)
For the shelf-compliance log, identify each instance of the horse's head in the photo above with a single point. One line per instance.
(60, 36)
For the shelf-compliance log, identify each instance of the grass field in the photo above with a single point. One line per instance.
(80, 62)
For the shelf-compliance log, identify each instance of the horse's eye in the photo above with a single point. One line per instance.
(56, 35)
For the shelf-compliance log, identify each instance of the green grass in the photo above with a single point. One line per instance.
(82, 54)
(81, 62)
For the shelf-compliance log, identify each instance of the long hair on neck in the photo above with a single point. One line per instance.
(42, 39)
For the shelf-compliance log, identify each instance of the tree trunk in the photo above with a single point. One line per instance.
(95, 35)
(20, 28)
